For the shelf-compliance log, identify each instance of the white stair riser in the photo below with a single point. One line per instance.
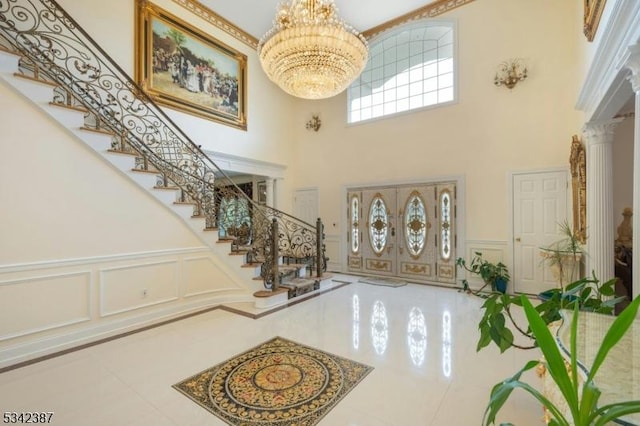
(165, 196)
(98, 141)
(145, 180)
(40, 93)
(8, 62)
(121, 161)
(69, 118)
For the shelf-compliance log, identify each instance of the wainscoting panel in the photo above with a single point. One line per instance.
(55, 305)
(44, 303)
(132, 287)
(493, 251)
(333, 251)
(202, 276)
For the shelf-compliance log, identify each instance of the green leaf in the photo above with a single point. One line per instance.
(614, 334)
(485, 337)
(555, 361)
(506, 340)
(589, 401)
(612, 412)
(501, 392)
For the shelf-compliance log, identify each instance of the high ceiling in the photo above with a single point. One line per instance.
(256, 16)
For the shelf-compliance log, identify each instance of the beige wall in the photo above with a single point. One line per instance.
(66, 202)
(490, 132)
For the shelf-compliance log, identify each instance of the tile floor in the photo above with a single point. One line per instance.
(420, 340)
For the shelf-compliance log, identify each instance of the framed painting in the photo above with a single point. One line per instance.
(181, 67)
(592, 13)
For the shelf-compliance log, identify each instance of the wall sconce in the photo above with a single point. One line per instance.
(315, 123)
(510, 73)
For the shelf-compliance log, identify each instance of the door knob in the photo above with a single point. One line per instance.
(518, 240)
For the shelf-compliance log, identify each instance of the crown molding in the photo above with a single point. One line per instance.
(243, 165)
(218, 21)
(608, 71)
(429, 11)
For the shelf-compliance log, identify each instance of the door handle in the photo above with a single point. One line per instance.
(518, 240)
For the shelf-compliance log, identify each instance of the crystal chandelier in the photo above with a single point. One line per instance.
(310, 52)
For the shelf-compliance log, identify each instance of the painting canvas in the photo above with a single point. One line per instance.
(181, 67)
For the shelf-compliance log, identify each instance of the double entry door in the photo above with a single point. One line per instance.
(405, 231)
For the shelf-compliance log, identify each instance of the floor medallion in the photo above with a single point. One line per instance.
(277, 383)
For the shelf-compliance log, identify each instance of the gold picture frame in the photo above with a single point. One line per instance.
(183, 68)
(592, 13)
(578, 163)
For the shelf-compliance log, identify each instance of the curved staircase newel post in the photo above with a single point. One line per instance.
(319, 244)
(274, 252)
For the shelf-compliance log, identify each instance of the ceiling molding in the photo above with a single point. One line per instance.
(218, 21)
(429, 11)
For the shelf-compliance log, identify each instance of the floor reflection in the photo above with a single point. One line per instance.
(417, 336)
(379, 328)
(446, 344)
(356, 321)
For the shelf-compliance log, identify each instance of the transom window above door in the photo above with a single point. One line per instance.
(409, 67)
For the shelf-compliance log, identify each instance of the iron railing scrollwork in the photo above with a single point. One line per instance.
(55, 47)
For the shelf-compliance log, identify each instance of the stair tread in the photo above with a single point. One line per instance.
(78, 108)
(103, 132)
(37, 80)
(270, 293)
(155, 172)
(299, 281)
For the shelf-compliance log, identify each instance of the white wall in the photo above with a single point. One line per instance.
(488, 133)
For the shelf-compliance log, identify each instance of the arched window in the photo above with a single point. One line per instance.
(409, 67)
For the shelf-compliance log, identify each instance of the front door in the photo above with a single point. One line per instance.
(539, 208)
(406, 231)
(380, 227)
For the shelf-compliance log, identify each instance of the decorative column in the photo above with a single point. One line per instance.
(600, 228)
(633, 63)
(270, 192)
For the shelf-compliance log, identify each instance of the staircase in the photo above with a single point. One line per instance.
(279, 257)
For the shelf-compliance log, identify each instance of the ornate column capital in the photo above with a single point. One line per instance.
(633, 63)
(600, 132)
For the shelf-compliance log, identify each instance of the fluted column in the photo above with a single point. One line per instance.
(633, 63)
(600, 235)
(270, 192)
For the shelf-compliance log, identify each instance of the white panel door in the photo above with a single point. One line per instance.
(540, 206)
(305, 205)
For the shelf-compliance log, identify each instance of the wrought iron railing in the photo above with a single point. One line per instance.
(55, 47)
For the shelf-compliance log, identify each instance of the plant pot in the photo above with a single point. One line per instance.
(500, 284)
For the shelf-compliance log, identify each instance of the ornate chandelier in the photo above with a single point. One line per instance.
(310, 52)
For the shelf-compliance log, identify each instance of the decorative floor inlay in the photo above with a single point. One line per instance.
(384, 281)
(277, 383)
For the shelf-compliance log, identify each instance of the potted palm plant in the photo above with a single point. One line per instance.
(495, 275)
(563, 258)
